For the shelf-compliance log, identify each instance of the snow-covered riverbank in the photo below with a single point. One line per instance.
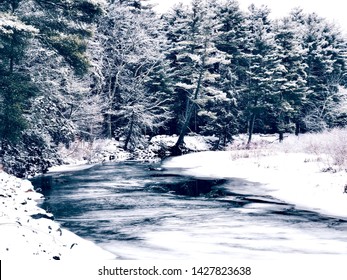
(297, 178)
(28, 231)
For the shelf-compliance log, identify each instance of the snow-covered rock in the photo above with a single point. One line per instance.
(26, 230)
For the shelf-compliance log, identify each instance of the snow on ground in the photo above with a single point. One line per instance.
(82, 155)
(28, 231)
(81, 165)
(296, 178)
(289, 174)
(192, 142)
(83, 152)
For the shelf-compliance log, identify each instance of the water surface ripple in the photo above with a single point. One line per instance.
(139, 213)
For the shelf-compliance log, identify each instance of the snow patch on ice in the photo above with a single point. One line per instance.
(82, 165)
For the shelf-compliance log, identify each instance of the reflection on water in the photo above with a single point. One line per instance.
(139, 213)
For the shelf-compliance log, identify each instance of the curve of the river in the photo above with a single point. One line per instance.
(139, 213)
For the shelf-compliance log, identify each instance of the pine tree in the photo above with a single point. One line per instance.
(15, 86)
(292, 85)
(261, 69)
(232, 33)
(53, 26)
(326, 52)
(195, 62)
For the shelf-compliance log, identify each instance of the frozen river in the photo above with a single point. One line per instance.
(139, 213)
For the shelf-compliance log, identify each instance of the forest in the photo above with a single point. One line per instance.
(94, 69)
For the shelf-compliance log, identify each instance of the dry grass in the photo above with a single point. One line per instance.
(259, 147)
(329, 146)
(250, 153)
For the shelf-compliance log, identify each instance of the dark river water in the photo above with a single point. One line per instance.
(138, 212)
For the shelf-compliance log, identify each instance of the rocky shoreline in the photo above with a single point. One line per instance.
(28, 231)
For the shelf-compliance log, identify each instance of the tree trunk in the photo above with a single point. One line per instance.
(250, 129)
(109, 126)
(225, 137)
(297, 128)
(216, 146)
(184, 129)
(193, 106)
(112, 91)
(11, 67)
(281, 136)
(127, 140)
(189, 114)
(281, 129)
(12, 54)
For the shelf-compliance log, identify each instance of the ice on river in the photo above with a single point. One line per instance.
(278, 205)
(142, 220)
(292, 177)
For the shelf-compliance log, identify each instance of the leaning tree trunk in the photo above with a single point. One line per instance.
(176, 149)
(185, 126)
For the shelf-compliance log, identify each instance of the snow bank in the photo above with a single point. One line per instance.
(82, 165)
(193, 143)
(83, 155)
(27, 230)
(296, 178)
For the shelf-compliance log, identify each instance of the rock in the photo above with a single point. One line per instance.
(39, 216)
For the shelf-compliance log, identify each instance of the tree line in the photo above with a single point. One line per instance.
(90, 69)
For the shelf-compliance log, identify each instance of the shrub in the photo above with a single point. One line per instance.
(330, 146)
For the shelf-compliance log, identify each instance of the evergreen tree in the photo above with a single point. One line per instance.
(195, 62)
(55, 26)
(261, 70)
(232, 33)
(15, 86)
(326, 52)
(292, 85)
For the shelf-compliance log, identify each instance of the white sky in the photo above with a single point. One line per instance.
(334, 10)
